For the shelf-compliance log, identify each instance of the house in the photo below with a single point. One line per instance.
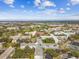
(25, 37)
(60, 36)
(30, 33)
(44, 37)
(59, 33)
(69, 32)
(1, 44)
(22, 45)
(14, 38)
(67, 56)
(40, 33)
(72, 58)
(77, 31)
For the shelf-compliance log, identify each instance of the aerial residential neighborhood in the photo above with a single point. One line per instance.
(39, 29)
(22, 40)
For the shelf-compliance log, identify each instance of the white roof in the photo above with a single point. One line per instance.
(72, 58)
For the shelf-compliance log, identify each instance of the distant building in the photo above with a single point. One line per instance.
(60, 36)
(74, 45)
(44, 37)
(14, 39)
(69, 32)
(30, 33)
(13, 28)
(25, 37)
(58, 33)
(40, 33)
(67, 56)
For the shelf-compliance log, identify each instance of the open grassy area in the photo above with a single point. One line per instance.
(48, 40)
(75, 53)
(26, 53)
(75, 37)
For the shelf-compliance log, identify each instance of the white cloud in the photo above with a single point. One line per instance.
(48, 3)
(10, 2)
(61, 11)
(75, 2)
(28, 17)
(44, 3)
(50, 12)
(37, 2)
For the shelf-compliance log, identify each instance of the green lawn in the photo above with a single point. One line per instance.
(75, 53)
(48, 40)
(26, 53)
(76, 37)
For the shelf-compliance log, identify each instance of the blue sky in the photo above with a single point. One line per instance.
(39, 9)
